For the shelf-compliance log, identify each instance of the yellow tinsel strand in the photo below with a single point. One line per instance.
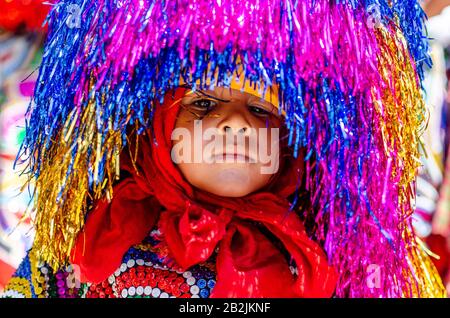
(61, 203)
(402, 112)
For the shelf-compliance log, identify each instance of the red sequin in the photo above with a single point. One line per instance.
(184, 288)
(162, 285)
(175, 291)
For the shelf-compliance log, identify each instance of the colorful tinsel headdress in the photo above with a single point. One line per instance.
(349, 74)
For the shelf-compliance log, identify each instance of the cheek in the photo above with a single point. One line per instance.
(268, 141)
(187, 138)
(271, 121)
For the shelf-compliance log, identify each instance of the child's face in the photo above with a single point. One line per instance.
(226, 142)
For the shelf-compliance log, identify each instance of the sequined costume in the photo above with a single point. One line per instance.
(145, 272)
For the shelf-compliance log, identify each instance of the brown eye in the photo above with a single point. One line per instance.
(204, 104)
(259, 111)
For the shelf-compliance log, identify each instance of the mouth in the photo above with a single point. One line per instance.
(232, 157)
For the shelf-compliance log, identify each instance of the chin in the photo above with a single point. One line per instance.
(231, 192)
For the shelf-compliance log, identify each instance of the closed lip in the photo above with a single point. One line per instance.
(232, 156)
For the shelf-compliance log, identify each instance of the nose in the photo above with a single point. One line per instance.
(234, 123)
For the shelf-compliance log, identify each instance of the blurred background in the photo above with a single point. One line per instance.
(21, 40)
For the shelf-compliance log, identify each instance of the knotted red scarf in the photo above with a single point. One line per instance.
(195, 223)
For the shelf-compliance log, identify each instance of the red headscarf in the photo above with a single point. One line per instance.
(194, 223)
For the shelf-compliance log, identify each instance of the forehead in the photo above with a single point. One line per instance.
(230, 94)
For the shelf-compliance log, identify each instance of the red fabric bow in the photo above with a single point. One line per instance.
(194, 224)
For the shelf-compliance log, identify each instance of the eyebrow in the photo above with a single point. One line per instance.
(213, 97)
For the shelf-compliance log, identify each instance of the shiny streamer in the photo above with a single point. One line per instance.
(349, 74)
